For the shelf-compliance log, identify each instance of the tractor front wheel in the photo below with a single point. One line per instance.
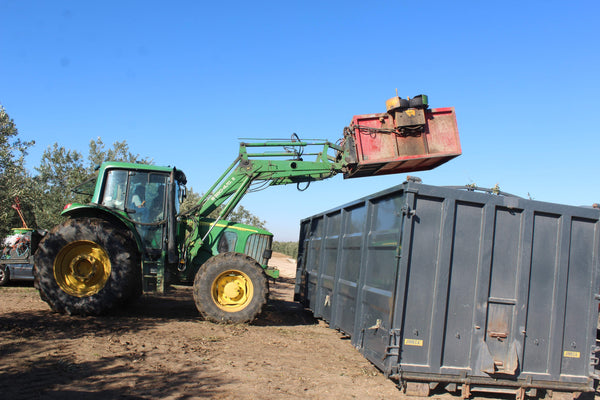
(87, 266)
(231, 288)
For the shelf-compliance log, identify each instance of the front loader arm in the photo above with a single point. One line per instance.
(269, 168)
(408, 137)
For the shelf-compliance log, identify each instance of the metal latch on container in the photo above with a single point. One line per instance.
(498, 335)
(376, 326)
(594, 362)
(394, 347)
(407, 211)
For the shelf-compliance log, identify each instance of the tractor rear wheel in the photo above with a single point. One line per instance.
(231, 288)
(87, 266)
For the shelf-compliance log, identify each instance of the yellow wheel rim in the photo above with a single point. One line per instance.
(232, 291)
(82, 268)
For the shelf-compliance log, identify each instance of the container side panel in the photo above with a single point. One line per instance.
(383, 243)
(576, 339)
(346, 298)
(541, 303)
(503, 289)
(507, 232)
(301, 275)
(313, 257)
(381, 274)
(332, 240)
(420, 282)
(467, 235)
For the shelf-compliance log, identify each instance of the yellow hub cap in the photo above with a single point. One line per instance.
(232, 291)
(82, 268)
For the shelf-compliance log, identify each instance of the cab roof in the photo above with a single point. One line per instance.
(179, 175)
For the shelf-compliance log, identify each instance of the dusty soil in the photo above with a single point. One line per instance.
(161, 349)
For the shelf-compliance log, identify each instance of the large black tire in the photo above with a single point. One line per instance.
(4, 275)
(230, 288)
(87, 266)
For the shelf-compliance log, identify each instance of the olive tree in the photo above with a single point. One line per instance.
(15, 182)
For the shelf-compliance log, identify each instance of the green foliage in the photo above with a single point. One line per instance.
(44, 196)
(239, 214)
(14, 179)
(119, 152)
(287, 248)
(192, 198)
(61, 169)
(242, 215)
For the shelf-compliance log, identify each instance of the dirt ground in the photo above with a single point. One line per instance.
(161, 349)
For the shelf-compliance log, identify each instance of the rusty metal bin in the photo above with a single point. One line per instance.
(473, 291)
(379, 147)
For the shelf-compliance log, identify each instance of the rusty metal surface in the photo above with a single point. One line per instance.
(442, 285)
(416, 389)
(381, 148)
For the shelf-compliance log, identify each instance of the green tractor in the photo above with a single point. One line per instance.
(132, 238)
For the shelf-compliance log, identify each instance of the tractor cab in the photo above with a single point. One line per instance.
(146, 198)
(142, 195)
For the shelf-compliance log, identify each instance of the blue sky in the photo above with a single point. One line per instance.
(182, 81)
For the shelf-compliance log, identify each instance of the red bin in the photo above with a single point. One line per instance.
(380, 145)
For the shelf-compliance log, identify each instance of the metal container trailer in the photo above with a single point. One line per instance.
(472, 291)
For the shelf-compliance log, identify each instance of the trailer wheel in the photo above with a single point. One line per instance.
(230, 287)
(4, 275)
(87, 266)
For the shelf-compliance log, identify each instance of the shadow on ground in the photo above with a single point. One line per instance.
(144, 313)
(62, 378)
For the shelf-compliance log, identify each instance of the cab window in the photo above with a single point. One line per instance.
(115, 189)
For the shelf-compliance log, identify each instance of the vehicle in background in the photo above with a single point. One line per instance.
(16, 260)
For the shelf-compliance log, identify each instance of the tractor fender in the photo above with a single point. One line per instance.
(105, 213)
